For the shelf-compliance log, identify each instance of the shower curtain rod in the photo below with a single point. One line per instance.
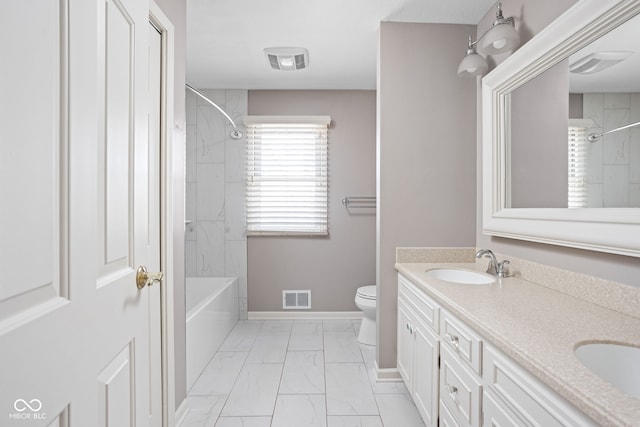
(593, 137)
(235, 133)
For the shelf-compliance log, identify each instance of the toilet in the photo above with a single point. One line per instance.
(366, 301)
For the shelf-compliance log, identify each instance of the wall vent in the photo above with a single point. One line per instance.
(296, 300)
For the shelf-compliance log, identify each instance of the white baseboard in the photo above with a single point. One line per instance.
(305, 315)
(387, 375)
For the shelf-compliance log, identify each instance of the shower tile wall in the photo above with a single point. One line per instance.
(614, 160)
(215, 193)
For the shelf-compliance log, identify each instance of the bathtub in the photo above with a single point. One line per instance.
(212, 311)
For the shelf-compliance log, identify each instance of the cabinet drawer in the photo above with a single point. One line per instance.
(461, 340)
(527, 396)
(460, 391)
(429, 311)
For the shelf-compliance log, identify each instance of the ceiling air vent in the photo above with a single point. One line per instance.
(597, 61)
(287, 58)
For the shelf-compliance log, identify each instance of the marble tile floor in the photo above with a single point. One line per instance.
(298, 373)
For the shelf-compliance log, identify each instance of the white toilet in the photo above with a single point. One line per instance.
(366, 301)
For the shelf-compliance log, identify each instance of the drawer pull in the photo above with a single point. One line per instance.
(453, 339)
(453, 391)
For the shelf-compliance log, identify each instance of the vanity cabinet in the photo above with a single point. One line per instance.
(457, 378)
(418, 349)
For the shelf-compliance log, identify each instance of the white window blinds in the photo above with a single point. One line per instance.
(287, 171)
(578, 159)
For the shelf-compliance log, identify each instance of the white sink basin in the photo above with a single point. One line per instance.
(458, 275)
(617, 364)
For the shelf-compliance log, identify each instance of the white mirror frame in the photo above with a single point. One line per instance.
(613, 230)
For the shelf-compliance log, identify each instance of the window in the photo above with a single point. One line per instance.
(578, 155)
(287, 175)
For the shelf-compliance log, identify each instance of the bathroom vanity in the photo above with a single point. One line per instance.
(508, 351)
(502, 353)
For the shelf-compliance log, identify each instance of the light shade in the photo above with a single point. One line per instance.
(502, 37)
(472, 65)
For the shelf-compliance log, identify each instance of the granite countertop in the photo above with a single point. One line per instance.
(539, 328)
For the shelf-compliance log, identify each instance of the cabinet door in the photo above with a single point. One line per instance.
(425, 374)
(405, 345)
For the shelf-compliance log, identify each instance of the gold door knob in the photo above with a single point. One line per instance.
(144, 278)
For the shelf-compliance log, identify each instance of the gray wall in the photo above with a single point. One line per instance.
(530, 19)
(335, 266)
(426, 153)
(539, 149)
(176, 11)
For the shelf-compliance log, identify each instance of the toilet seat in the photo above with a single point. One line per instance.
(367, 292)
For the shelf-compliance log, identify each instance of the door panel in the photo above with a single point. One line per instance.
(30, 176)
(426, 374)
(118, 136)
(115, 383)
(116, 143)
(59, 420)
(405, 346)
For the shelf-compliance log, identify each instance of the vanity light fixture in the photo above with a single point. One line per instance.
(501, 37)
(472, 64)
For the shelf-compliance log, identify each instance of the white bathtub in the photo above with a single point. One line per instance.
(212, 311)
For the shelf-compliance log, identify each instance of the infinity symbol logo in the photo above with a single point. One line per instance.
(21, 405)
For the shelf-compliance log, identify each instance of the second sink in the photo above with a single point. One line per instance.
(617, 364)
(462, 276)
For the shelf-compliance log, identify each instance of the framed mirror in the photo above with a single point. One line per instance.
(538, 103)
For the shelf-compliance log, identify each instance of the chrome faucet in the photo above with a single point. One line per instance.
(496, 268)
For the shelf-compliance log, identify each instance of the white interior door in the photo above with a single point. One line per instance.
(79, 212)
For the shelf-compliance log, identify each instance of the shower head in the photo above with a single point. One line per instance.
(235, 133)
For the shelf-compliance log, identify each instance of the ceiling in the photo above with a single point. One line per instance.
(622, 77)
(226, 38)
